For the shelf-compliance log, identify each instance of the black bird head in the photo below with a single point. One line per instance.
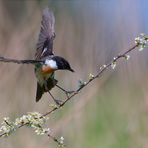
(62, 64)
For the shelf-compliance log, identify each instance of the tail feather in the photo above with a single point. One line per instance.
(39, 92)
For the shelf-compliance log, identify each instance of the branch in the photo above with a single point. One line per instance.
(36, 120)
(92, 78)
(140, 42)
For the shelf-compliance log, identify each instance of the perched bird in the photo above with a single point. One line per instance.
(44, 51)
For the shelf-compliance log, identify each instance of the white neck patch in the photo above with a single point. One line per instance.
(51, 63)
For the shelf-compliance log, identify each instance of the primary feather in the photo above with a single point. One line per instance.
(46, 35)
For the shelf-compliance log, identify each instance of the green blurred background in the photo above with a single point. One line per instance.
(111, 112)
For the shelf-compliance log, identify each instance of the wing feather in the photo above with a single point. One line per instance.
(46, 35)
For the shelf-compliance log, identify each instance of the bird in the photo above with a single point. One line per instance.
(45, 71)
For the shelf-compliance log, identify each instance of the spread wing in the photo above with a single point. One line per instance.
(46, 36)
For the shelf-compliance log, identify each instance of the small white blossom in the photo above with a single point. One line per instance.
(42, 131)
(7, 127)
(33, 119)
(53, 105)
(91, 76)
(48, 130)
(62, 140)
(104, 66)
(6, 119)
(115, 58)
(85, 83)
(141, 48)
(39, 131)
(127, 57)
(113, 65)
(141, 41)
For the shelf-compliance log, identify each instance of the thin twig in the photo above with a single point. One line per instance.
(90, 80)
(56, 140)
(71, 95)
(68, 98)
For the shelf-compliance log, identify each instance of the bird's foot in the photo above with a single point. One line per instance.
(66, 91)
(58, 102)
(69, 91)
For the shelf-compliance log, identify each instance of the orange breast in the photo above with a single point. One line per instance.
(46, 69)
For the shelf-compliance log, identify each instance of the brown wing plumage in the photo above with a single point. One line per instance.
(46, 36)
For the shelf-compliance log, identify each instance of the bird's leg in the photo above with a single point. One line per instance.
(58, 102)
(66, 91)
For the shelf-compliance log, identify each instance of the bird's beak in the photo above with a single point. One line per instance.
(71, 70)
